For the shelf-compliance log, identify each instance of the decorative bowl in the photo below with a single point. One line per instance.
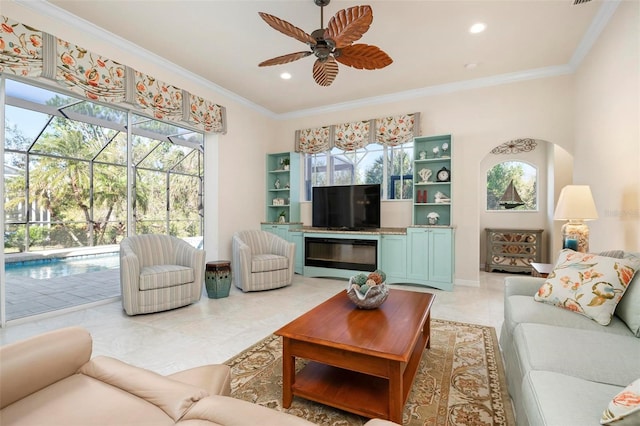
(371, 299)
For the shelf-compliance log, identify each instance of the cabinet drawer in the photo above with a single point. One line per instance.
(513, 250)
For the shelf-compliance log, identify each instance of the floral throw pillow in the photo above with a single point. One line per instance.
(624, 408)
(588, 284)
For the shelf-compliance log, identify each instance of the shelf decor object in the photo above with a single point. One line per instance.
(576, 205)
(433, 218)
(511, 199)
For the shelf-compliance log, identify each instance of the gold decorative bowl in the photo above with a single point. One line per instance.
(372, 299)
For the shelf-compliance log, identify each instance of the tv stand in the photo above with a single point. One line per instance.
(421, 255)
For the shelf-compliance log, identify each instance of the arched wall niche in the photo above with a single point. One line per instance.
(554, 170)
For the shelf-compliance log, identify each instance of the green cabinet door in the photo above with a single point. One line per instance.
(281, 231)
(393, 257)
(441, 255)
(430, 256)
(417, 250)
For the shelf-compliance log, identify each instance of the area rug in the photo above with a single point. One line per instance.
(460, 381)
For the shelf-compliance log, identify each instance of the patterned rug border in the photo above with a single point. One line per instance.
(491, 349)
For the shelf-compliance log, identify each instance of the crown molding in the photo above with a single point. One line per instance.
(593, 32)
(440, 89)
(599, 22)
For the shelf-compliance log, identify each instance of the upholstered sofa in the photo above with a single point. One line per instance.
(261, 260)
(564, 368)
(51, 380)
(158, 273)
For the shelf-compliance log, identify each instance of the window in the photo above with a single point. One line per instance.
(65, 170)
(390, 166)
(512, 186)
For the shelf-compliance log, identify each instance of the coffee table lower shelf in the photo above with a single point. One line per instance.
(348, 390)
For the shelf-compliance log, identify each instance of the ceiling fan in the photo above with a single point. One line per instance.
(335, 43)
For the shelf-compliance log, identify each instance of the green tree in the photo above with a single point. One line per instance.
(399, 164)
(61, 180)
(375, 173)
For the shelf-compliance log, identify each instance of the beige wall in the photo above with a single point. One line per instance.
(559, 174)
(478, 120)
(607, 122)
(603, 125)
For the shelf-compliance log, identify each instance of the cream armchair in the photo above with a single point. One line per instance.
(159, 272)
(262, 260)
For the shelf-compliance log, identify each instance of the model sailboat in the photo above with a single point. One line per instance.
(511, 199)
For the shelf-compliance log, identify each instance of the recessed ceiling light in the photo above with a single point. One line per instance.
(471, 65)
(477, 28)
(285, 76)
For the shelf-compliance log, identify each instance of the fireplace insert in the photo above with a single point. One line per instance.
(339, 253)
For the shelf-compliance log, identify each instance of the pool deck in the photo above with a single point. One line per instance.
(28, 296)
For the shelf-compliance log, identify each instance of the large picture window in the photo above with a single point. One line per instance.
(65, 171)
(390, 166)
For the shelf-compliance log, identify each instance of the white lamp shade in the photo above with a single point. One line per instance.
(575, 203)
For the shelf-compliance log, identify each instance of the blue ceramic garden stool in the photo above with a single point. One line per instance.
(217, 279)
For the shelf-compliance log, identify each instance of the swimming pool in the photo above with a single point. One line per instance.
(43, 269)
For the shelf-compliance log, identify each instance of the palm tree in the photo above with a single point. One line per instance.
(61, 183)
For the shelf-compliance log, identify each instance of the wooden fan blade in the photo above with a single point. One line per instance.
(284, 59)
(364, 57)
(325, 72)
(287, 29)
(348, 25)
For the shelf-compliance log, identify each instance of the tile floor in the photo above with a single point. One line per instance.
(213, 330)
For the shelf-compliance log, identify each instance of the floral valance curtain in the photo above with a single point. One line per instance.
(28, 52)
(352, 136)
(390, 131)
(397, 129)
(313, 141)
(20, 49)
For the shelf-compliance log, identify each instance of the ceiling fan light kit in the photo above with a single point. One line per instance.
(332, 44)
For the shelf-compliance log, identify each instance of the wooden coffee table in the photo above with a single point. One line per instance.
(361, 361)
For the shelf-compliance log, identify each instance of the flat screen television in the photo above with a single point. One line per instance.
(348, 207)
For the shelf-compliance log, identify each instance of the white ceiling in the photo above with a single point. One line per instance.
(223, 42)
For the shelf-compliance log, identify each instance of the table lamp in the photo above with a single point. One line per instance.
(575, 205)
